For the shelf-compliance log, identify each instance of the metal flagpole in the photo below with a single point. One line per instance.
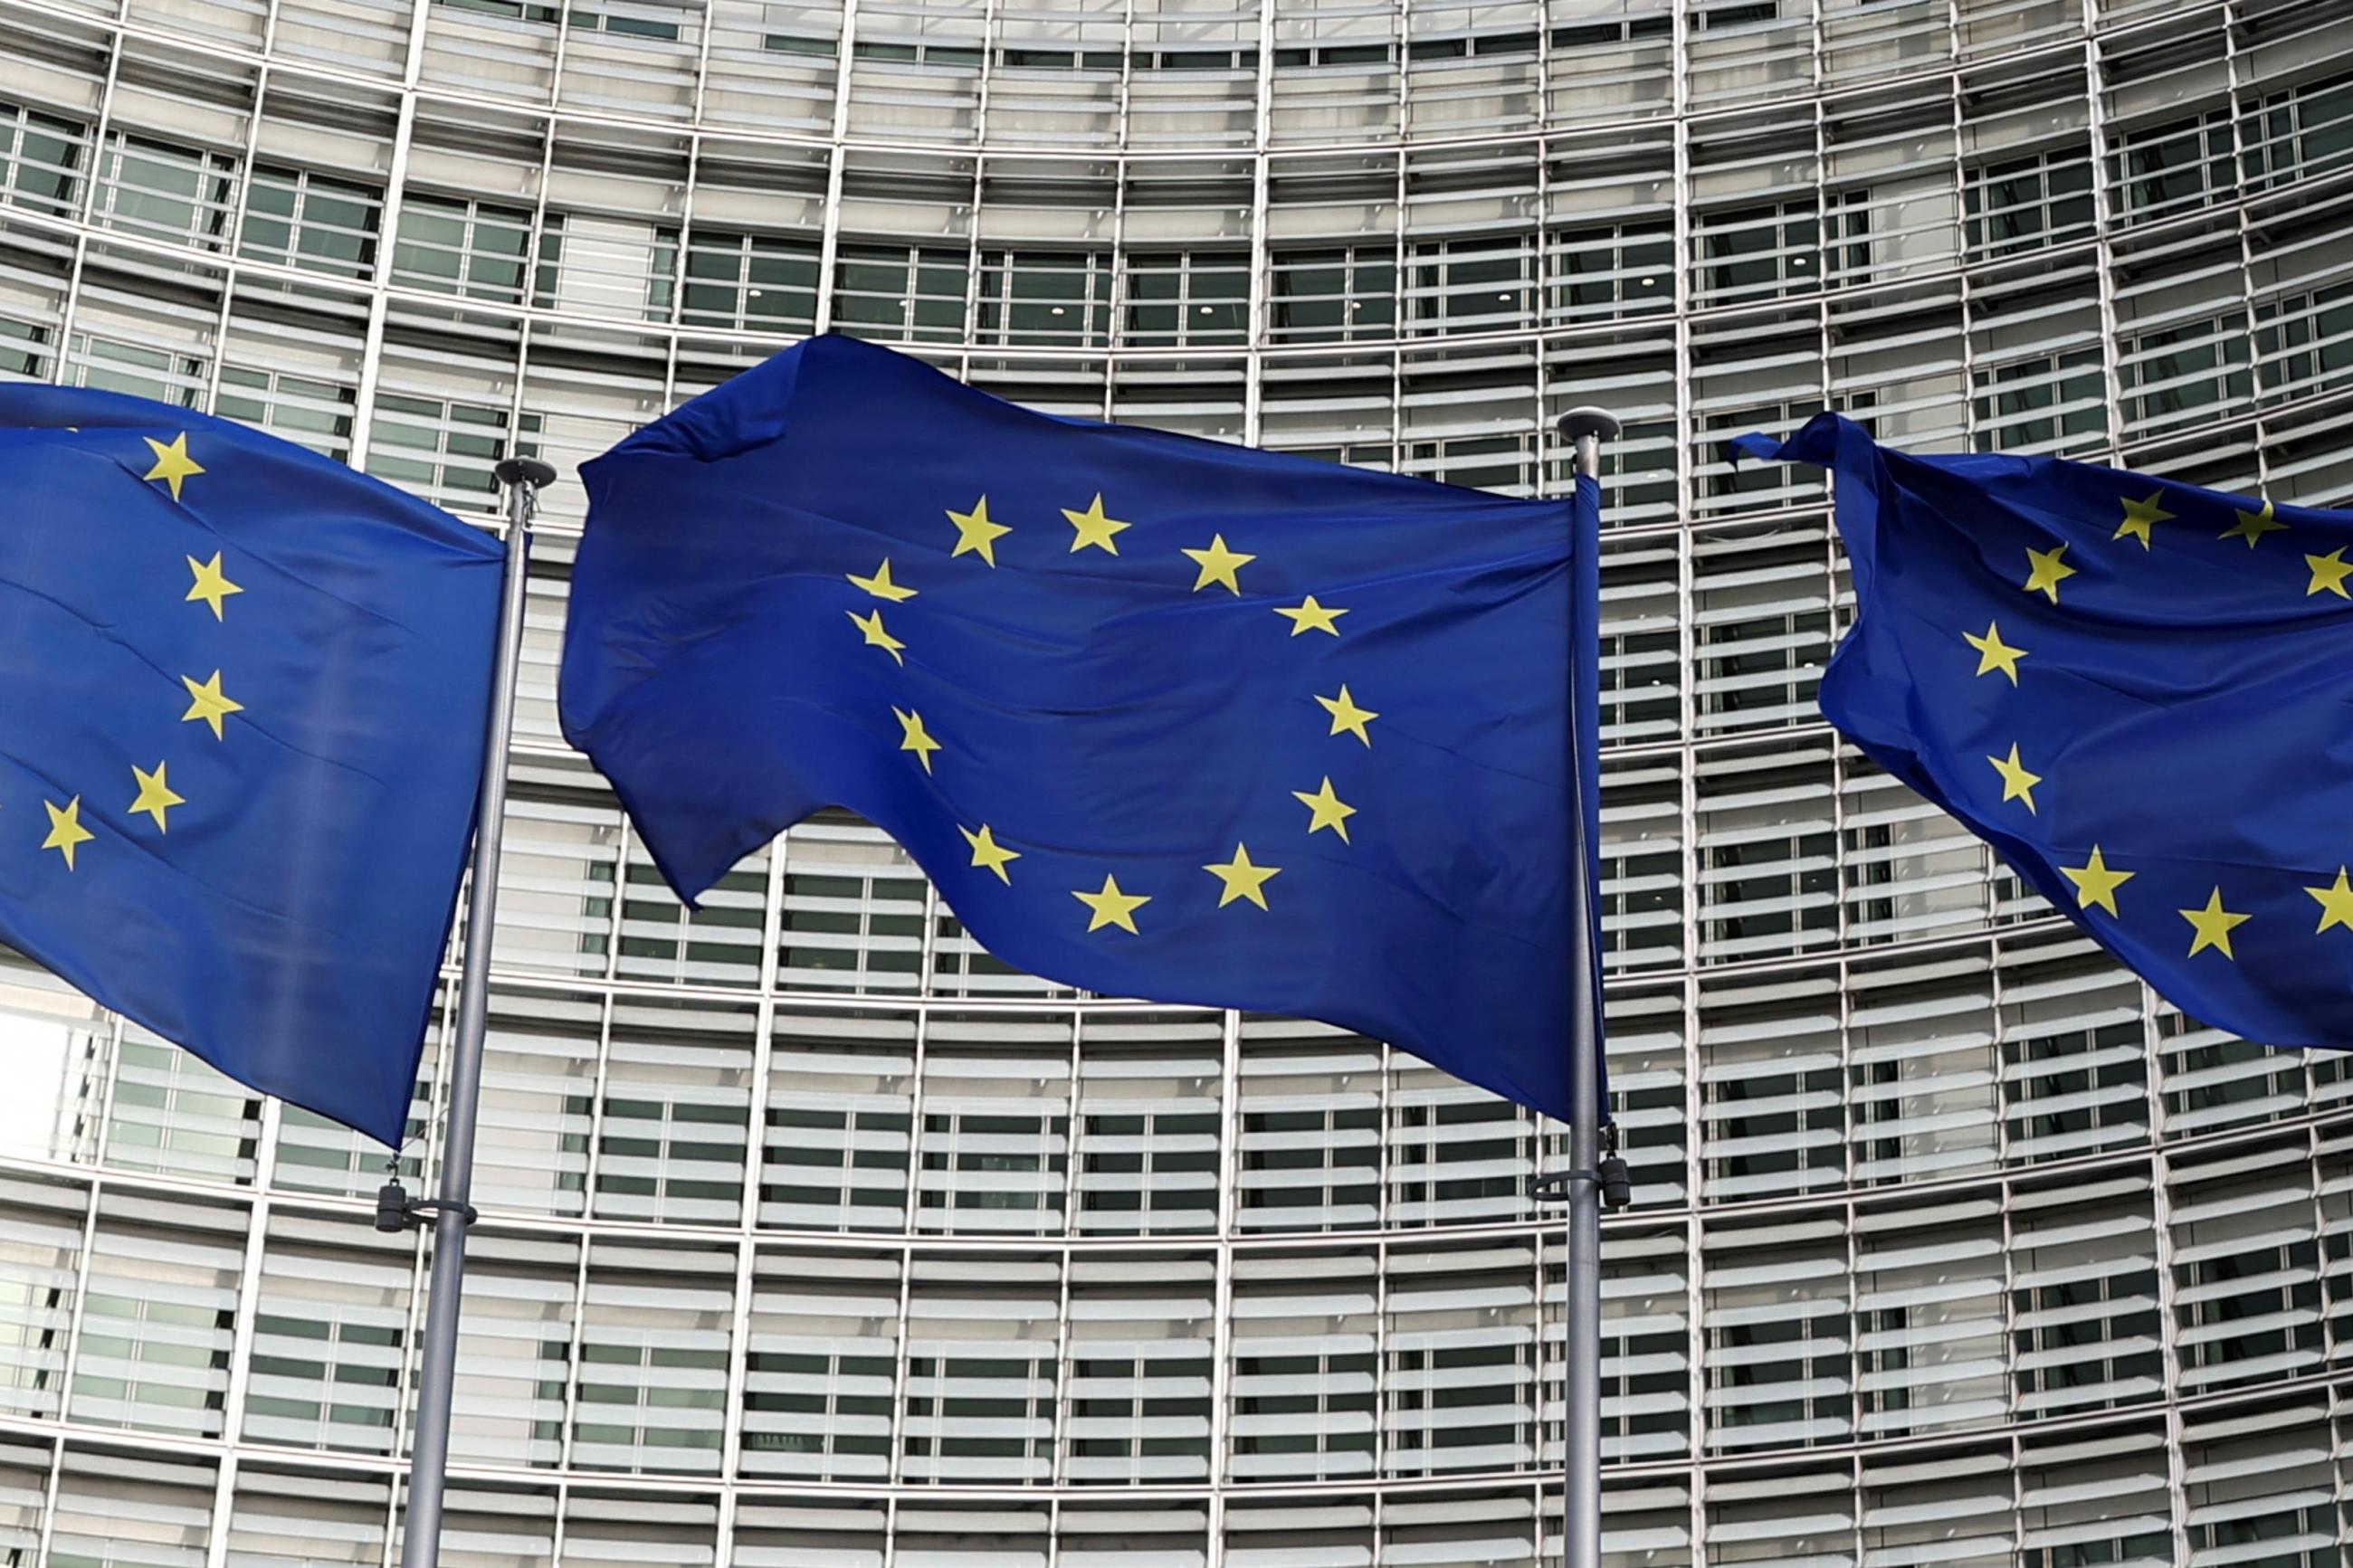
(452, 1212)
(1587, 1175)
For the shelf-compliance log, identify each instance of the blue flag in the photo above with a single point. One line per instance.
(246, 692)
(1161, 717)
(2136, 689)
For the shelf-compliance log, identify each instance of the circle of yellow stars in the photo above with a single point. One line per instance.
(2097, 882)
(209, 702)
(1217, 564)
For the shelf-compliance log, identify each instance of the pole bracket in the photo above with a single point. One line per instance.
(1616, 1184)
(395, 1211)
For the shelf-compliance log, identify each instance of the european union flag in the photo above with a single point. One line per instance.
(246, 692)
(2133, 688)
(1161, 718)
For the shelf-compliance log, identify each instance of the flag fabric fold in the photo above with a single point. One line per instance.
(1161, 717)
(2138, 690)
(246, 692)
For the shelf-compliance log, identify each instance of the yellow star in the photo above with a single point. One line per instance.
(1328, 809)
(881, 586)
(66, 830)
(155, 795)
(2213, 925)
(2329, 572)
(1346, 717)
(2140, 516)
(2336, 903)
(1995, 653)
(976, 535)
(2017, 784)
(1112, 906)
(1094, 527)
(2253, 525)
(1242, 880)
(2049, 571)
(212, 585)
(2096, 885)
(1309, 615)
(172, 464)
(1218, 563)
(876, 636)
(987, 853)
(209, 702)
(915, 738)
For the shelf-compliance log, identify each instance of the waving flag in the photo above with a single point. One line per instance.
(1161, 717)
(242, 736)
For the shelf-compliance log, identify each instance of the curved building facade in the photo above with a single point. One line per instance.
(813, 1237)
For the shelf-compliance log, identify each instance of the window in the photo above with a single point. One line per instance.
(983, 1358)
(297, 219)
(513, 10)
(316, 414)
(1148, 1110)
(2300, 133)
(1763, 253)
(2173, 373)
(164, 192)
(840, 1090)
(1140, 1370)
(675, 1112)
(329, 1334)
(1462, 1346)
(1310, 1163)
(613, 268)
(1780, 1372)
(2303, 343)
(442, 448)
(158, 1317)
(473, 249)
(995, 1148)
(1180, 298)
(750, 282)
(2167, 169)
(1603, 274)
(2246, 1276)
(853, 916)
(1767, 864)
(2068, 1090)
(2046, 402)
(40, 159)
(1471, 285)
(1304, 1402)
(716, 943)
(652, 1386)
(1333, 296)
(1044, 297)
(23, 350)
(112, 365)
(820, 1367)
(1773, 1125)
(900, 293)
(2025, 204)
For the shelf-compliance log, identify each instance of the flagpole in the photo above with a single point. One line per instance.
(1581, 1366)
(452, 1212)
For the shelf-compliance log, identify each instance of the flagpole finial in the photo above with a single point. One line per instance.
(525, 472)
(1579, 423)
(1585, 429)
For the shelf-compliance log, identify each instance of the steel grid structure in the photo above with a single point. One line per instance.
(813, 1236)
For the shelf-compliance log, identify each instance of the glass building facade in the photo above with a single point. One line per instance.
(814, 1237)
